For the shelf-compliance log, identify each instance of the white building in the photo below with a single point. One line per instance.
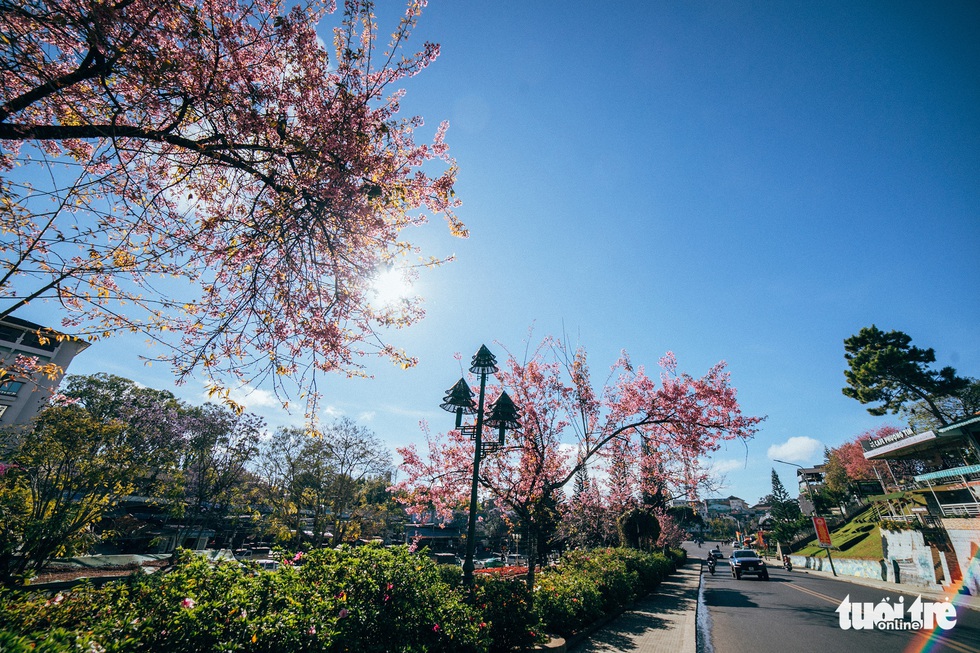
(21, 399)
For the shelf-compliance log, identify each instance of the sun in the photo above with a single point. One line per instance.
(390, 287)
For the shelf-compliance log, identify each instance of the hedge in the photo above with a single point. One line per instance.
(364, 600)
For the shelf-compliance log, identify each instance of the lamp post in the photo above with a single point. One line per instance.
(503, 416)
(813, 504)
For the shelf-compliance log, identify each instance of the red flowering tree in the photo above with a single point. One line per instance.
(210, 169)
(848, 465)
(566, 424)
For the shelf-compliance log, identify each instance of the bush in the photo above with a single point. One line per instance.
(505, 604)
(366, 600)
(566, 602)
(587, 585)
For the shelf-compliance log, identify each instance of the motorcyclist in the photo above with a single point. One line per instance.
(787, 563)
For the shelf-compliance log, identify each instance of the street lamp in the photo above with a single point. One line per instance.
(813, 503)
(503, 415)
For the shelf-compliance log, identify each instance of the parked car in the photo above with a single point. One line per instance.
(267, 563)
(747, 562)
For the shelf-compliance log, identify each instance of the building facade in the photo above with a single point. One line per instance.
(22, 398)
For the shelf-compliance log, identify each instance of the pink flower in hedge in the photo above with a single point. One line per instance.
(344, 613)
(188, 603)
(436, 628)
(298, 556)
(311, 631)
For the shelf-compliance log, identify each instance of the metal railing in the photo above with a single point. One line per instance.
(960, 509)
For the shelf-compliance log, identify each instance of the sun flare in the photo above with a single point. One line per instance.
(390, 287)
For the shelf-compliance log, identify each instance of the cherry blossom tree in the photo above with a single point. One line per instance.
(207, 173)
(661, 431)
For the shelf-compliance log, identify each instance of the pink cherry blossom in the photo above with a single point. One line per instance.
(221, 145)
(647, 438)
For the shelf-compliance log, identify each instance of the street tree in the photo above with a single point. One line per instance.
(281, 466)
(212, 175)
(669, 426)
(964, 404)
(353, 457)
(885, 368)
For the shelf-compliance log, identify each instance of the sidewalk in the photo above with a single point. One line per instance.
(959, 600)
(664, 622)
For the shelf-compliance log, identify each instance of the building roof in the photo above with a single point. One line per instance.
(949, 473)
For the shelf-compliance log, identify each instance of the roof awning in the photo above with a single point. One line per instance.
(949, 473)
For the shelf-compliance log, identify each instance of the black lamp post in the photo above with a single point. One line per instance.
(503, 416)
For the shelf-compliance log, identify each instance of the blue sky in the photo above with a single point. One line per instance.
(751, 182)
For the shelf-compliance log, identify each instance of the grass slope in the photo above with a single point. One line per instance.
(858, 538)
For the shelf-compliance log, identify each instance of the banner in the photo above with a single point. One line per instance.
(823, 533)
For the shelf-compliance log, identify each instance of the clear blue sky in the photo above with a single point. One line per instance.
(750, 182)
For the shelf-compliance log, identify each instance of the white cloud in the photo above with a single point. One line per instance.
(797, 449)
(332, 412)
(253, 398)
(724, 466)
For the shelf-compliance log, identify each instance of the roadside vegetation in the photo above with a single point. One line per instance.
(369, 599)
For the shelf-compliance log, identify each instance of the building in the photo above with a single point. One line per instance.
(814, 476)
(942, 498)
(22, 398)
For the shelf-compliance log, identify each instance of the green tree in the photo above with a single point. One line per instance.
(836, 484)
(152, 425)
(325, 481)
(720, 528)
(960, 406)
(219, 444)
(62, 476)
(886, 368)
(787, 518)
(639, 528)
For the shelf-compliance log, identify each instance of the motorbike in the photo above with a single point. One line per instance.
(711, 566)
(787, 563)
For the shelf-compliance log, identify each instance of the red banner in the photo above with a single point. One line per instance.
(823, 533)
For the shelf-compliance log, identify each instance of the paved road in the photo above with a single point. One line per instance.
(797, 613)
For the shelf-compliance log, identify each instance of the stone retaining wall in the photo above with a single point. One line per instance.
(907, 560)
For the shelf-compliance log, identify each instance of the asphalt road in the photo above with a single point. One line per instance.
(795, 612)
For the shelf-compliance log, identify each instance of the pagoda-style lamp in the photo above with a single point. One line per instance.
(503, 416)
(459, 400)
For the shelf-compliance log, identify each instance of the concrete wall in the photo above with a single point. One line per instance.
(906, 559)
(965, 536)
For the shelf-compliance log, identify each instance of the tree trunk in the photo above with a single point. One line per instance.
(532, 560)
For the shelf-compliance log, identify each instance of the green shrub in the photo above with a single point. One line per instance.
(587, 585)
(505, 604)
(566, 602)
(366, 600)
